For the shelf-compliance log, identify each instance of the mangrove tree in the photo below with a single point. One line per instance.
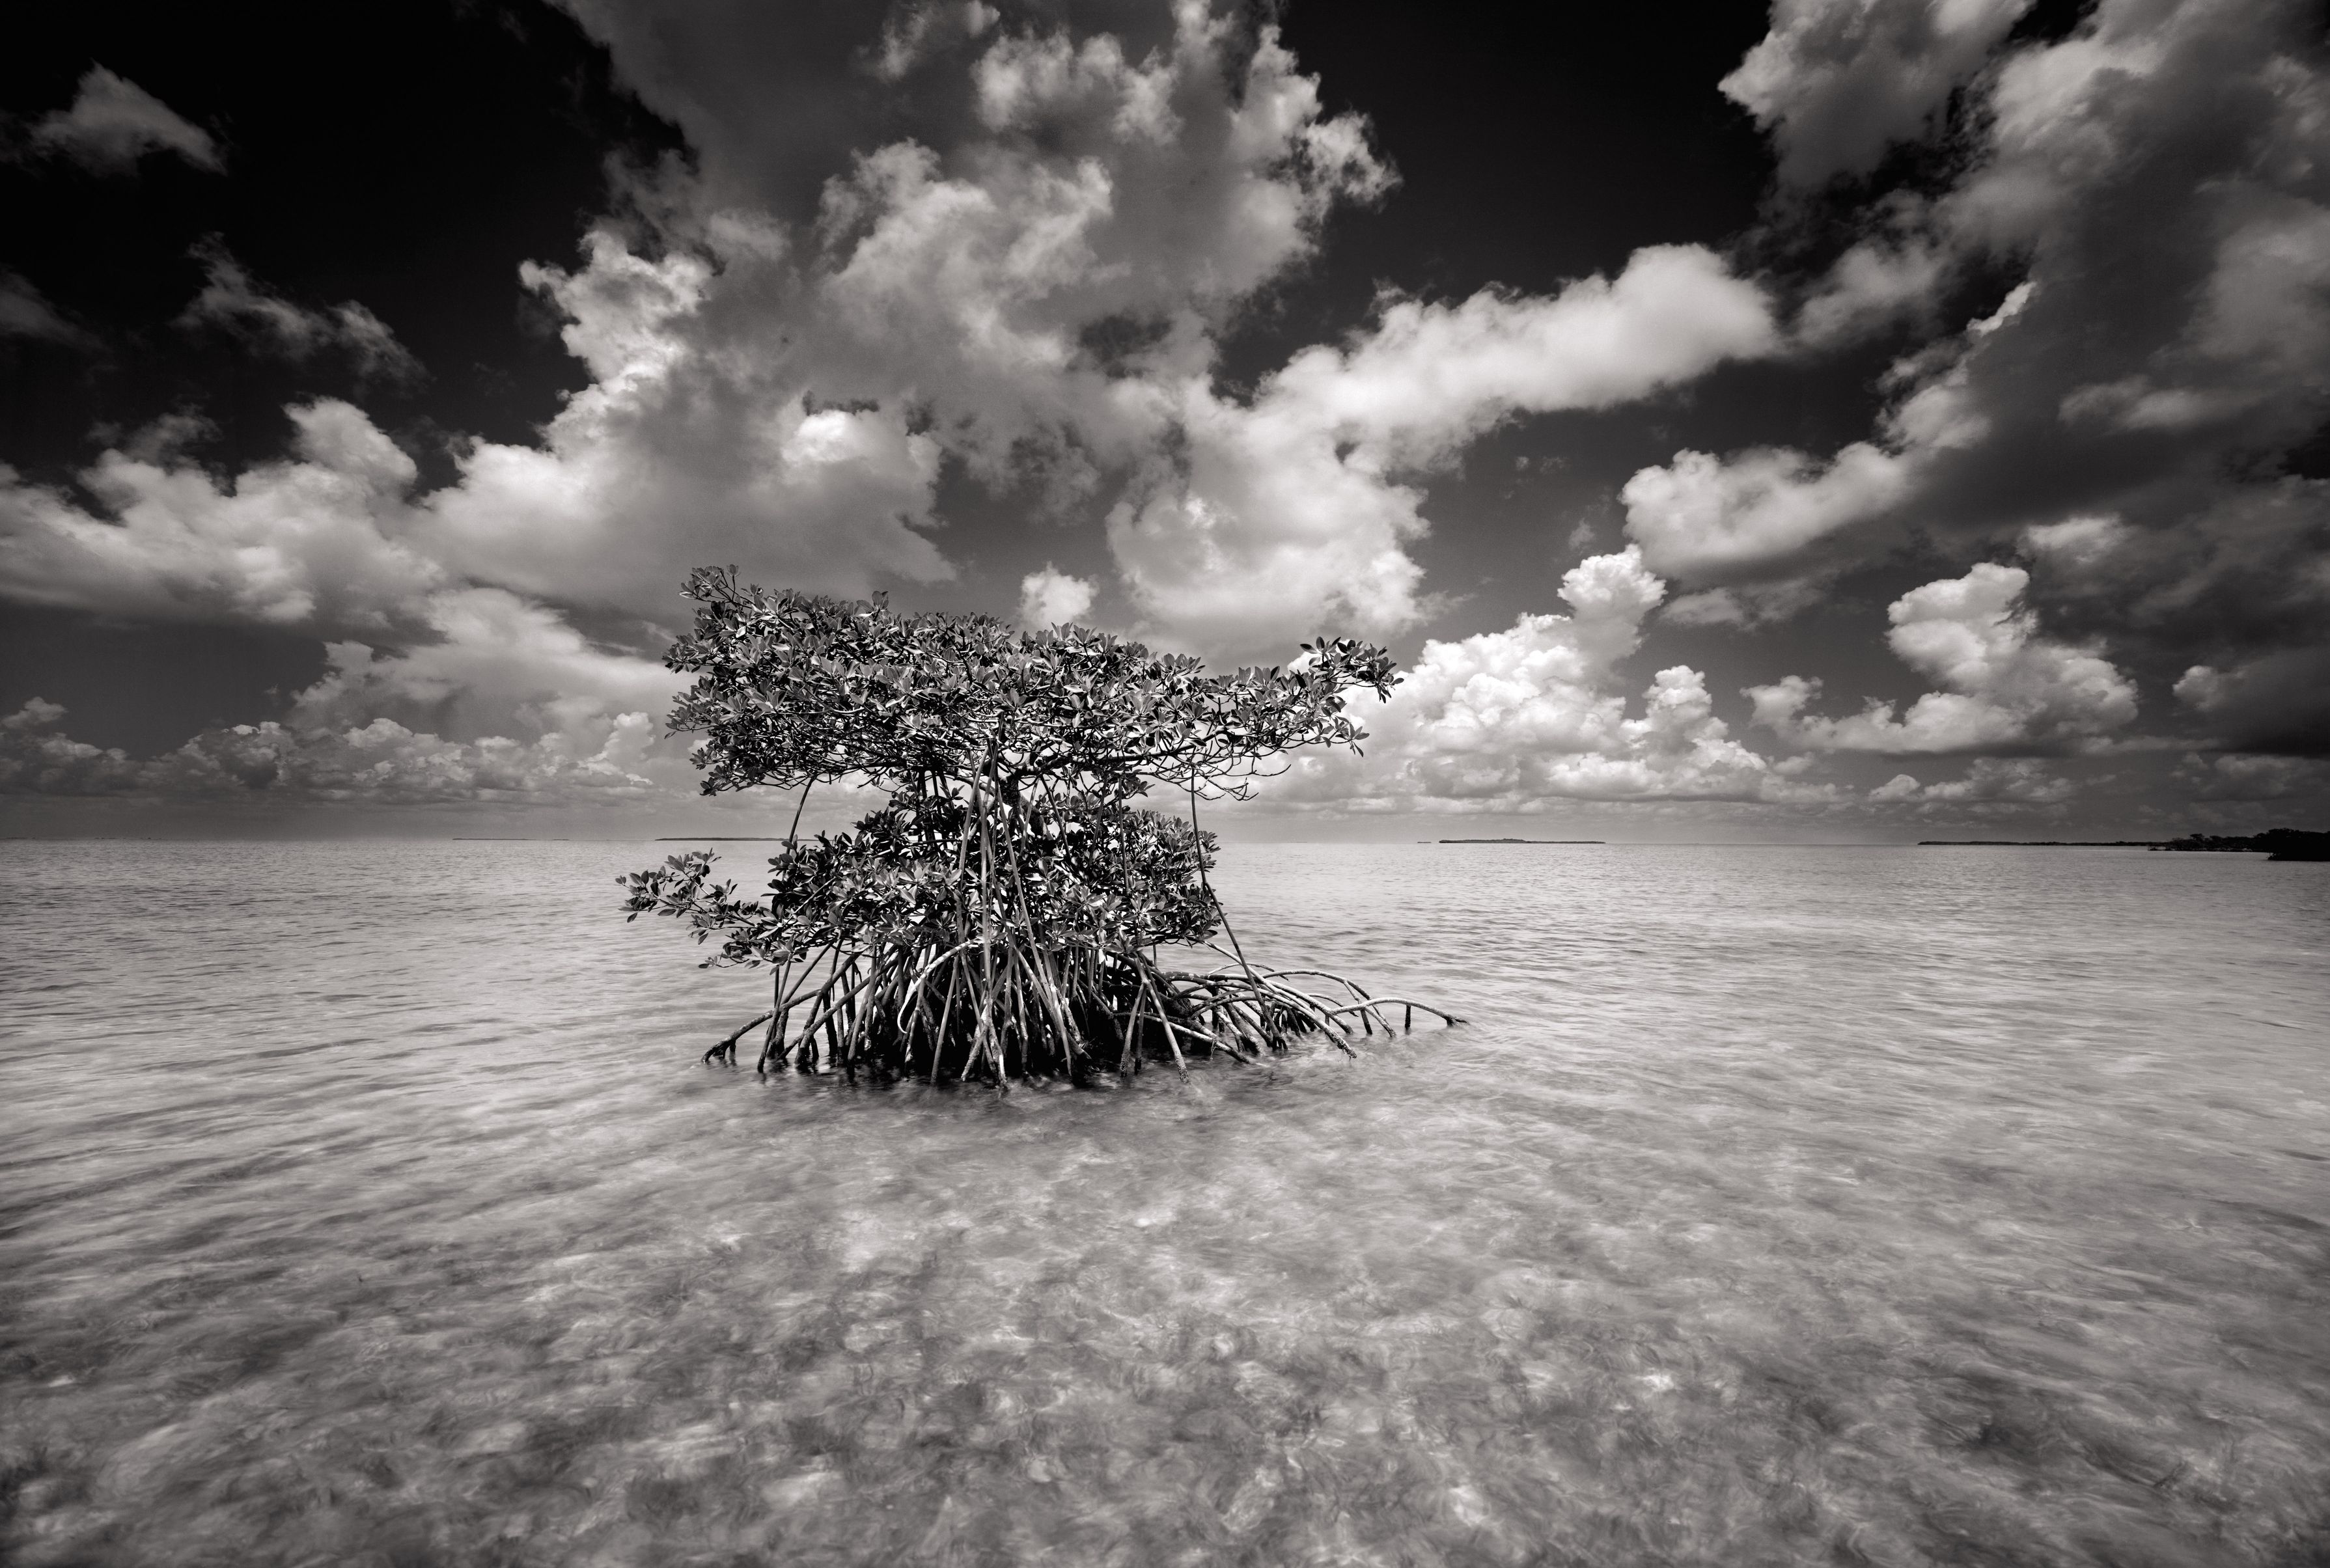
(1001, 913)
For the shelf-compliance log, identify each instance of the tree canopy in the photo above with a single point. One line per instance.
(796, 687)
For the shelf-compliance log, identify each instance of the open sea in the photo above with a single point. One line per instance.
(365, 1203)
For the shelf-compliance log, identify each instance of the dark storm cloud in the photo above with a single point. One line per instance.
(2276, 702)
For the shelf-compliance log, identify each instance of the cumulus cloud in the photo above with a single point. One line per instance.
(485, 662)
(783, 398)
(688, 446)
(1049, 292)
(1510, 720)
(36, 759)
(1701, 517)
(1259, 526)
(233, 301)
(778, 395)
(113, 123)
(1880, 281)
(314, 540)
(1838, 82)
(1429, 377)
(1990, 781)
(493, 699)
(2077, 544)
(2006, 687)
(1034, 285)
(916, 30)
(2125, 425)
(381, 763)
(1053, 598)
(1290, 508)
(1092, 190)
(1042, 297)
(434, 686)
(1770, 511)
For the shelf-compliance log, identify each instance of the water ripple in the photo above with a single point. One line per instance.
(364, 1202)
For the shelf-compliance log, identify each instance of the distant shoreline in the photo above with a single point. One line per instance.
(2274, 842)
(1517, 841)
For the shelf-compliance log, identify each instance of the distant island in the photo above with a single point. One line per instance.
(2277, 843)
(2280, 843)
(2041, 843)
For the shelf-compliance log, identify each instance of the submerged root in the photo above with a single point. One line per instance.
(1006, 1010)
(725, 1050)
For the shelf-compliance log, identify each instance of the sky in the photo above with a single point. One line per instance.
(1859, 420)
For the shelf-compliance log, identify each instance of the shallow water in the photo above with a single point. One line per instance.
(365, 1203)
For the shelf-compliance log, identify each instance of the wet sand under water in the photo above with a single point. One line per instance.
(365, 1203)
